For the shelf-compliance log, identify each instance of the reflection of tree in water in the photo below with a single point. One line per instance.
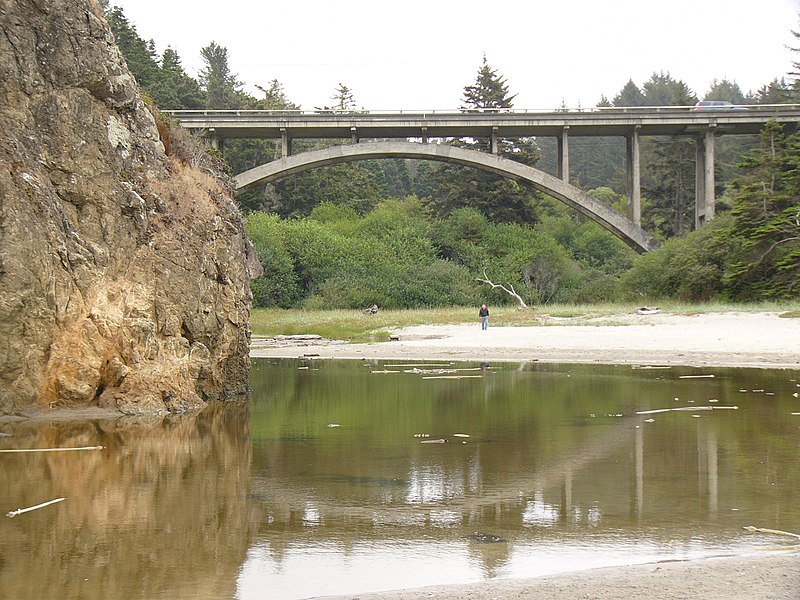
(161, 512)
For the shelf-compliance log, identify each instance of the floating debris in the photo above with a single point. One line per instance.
(418, 365)
(648, 310)
(649, 420)
(648, 367)
(696, 377)
(454, 377)
(486, 538)
(461, 435)
(19, 511)
(752, 529)
(422, 435)
(685, 409)
(384, 372)
(52, 449)
(417, 371)
(333, 425)
(438, 441)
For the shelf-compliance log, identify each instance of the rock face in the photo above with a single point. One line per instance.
(124, 273)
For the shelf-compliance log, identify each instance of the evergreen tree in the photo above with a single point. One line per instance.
(221, 87)
(776, 91)
(729, 91)
(174, 89)
(766, 219)
(629, 95)
(499, 199)
(139, 54)
(489, 93)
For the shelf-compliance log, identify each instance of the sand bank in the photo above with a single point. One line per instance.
(713, 339)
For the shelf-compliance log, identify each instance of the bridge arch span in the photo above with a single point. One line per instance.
(630, 233)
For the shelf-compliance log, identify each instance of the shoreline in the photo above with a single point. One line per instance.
(747, 340)
(752, 340)
(773, 576)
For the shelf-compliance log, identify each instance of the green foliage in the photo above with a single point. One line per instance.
(220, 85)
(690, 268)
(498, 198)
(489, 92)
(279, 285)
(766, 220)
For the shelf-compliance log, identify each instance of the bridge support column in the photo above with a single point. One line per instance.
(563, 155)
(424, 135)
(495, 141)
(704, 180)
(217, 143)
(286, 144)
(634, 177)
(353, 135)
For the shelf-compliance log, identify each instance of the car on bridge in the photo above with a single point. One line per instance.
(716, 105)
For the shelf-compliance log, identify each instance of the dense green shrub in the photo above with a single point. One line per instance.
(690, 268)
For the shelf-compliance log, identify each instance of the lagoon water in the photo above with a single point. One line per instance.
(341, 477)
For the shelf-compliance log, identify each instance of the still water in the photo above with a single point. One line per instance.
(342, 477)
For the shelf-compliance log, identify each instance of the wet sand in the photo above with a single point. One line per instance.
(716, 339)
(763, 577)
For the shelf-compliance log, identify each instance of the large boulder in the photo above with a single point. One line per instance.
(124, 272)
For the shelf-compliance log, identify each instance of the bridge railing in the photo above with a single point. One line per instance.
(487, 111)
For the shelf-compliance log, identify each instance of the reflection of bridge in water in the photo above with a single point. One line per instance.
(390, 133)
(446, 500)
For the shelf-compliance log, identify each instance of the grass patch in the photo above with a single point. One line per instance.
(357, 326)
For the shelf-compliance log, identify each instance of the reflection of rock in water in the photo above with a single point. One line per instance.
(162, 512)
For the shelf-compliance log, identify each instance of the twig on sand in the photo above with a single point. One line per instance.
(19, 511)
(52, 449)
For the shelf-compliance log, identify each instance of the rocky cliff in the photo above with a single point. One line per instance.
(124, 272)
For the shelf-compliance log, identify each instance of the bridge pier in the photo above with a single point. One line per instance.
(704, 179)
(563, 155)
(217, 143)
(633, 176)
(286, 143)
(495, 141)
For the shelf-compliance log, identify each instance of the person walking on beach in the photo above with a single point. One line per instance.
(483, 313)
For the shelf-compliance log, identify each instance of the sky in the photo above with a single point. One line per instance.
(419, 54)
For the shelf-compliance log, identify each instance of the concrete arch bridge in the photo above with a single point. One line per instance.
(625, 229)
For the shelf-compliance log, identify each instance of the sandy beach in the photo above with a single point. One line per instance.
(757, 340)
(713, 339)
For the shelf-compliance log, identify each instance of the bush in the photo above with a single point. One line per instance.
(689, 268)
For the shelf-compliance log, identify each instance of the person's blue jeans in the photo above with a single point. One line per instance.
(484, 322)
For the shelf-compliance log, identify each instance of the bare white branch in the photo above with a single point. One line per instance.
(511, 292)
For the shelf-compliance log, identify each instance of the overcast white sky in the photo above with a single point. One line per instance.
(419, 54)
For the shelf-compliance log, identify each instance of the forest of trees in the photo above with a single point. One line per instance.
(407, 233)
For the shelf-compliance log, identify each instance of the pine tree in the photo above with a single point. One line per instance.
(766, 219)
(500, 199)
(174, 89)
(629, 95)
(489, 93)
(139, 54)
(221, 87)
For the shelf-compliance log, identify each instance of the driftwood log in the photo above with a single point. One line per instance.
(508, 290)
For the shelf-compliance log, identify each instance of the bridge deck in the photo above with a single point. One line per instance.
(669, 121)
